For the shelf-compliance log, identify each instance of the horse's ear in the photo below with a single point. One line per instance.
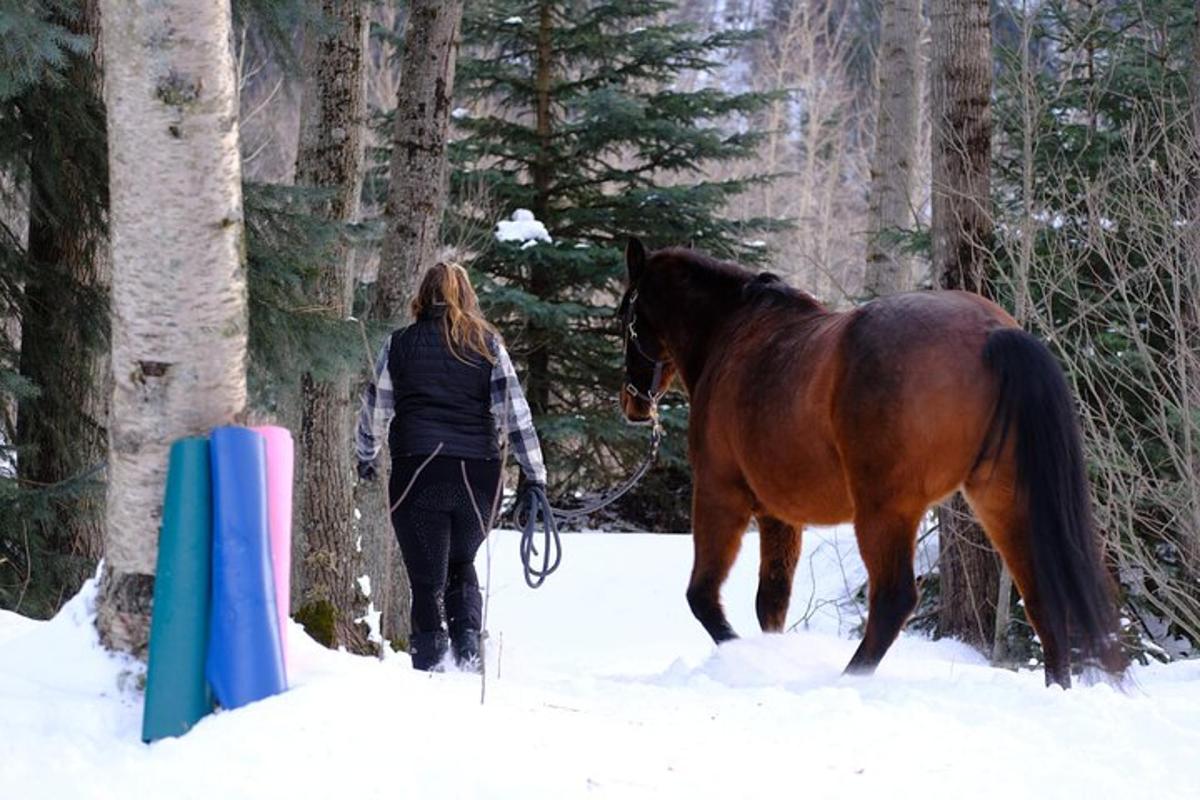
(635, 259)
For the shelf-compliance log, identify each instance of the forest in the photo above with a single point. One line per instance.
(1045, 154)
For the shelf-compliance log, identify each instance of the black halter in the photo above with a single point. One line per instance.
(648, 394)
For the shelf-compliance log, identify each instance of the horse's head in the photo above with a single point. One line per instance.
(648, 365)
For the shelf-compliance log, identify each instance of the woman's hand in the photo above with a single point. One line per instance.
(524, 486)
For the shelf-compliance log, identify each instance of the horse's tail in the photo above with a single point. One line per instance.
(1034, 405)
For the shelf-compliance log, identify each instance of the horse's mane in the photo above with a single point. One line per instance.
(705, 273)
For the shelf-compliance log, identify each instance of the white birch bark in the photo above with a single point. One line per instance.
(179, 282)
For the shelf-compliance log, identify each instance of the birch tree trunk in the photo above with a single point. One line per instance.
(889, 270)
(962, 229)
(62, 432)
(417, 190)
(179, 281)
(330, 157)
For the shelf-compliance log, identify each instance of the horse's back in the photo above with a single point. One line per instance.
(914, 399)
(810, 411)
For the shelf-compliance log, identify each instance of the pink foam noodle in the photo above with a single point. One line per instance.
(281, 457)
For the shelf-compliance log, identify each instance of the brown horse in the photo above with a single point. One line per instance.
(804, 416)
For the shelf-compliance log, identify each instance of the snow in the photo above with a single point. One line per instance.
(460, 113)
(601, 684)
(8, 459)
(522, 227)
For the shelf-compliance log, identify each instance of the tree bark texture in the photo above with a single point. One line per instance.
(418, 189)
(330, 157)
(62, 432)
(962, 228)
(889, 270)
(962, 130)
(416, 202)
(179, 308)
(538, 376)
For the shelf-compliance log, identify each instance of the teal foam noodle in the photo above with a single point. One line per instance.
(177, 694)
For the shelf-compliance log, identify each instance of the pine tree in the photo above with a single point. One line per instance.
(63, 432)
(584, 129)
(53, 284)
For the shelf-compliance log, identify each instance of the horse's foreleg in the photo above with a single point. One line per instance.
(718, 522)
(886, 540)
(779, 545)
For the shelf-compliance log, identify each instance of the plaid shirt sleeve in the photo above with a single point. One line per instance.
(378, 408)
(513, 418)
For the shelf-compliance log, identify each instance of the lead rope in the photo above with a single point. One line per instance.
(537, 508)
(534, 508)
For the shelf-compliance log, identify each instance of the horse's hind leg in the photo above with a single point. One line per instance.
(990, 492)
(779, 545)
(886, 541)
(718, 521)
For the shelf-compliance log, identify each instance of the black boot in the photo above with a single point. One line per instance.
(428, 650)
(466, 650)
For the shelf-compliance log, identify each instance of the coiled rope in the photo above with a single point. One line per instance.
(533, 509)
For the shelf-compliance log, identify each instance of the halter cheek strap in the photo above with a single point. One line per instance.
(649, 395)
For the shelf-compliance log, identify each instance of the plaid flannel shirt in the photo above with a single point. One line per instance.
(509, 409)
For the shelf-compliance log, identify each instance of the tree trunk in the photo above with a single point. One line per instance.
(417, 192)
(962, 229)
(62, 432)
(179, 278)
(330, 157)
(416, 201)
(538, 376)
(889, 270)
(962, 132)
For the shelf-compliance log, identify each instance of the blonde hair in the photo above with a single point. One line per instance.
(467, 332)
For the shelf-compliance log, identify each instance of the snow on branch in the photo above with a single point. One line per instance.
(522, 227)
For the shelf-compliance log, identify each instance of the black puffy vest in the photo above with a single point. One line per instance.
(438, 398)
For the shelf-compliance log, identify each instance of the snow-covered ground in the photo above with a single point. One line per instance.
(602, 685)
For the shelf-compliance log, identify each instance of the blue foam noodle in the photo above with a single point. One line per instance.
(245, 658)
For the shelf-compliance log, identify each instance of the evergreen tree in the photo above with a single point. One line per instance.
(53, 284)
(587, 127)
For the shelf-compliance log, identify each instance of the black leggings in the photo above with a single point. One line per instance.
(439, 533)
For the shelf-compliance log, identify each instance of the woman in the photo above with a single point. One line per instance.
(447, 387)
